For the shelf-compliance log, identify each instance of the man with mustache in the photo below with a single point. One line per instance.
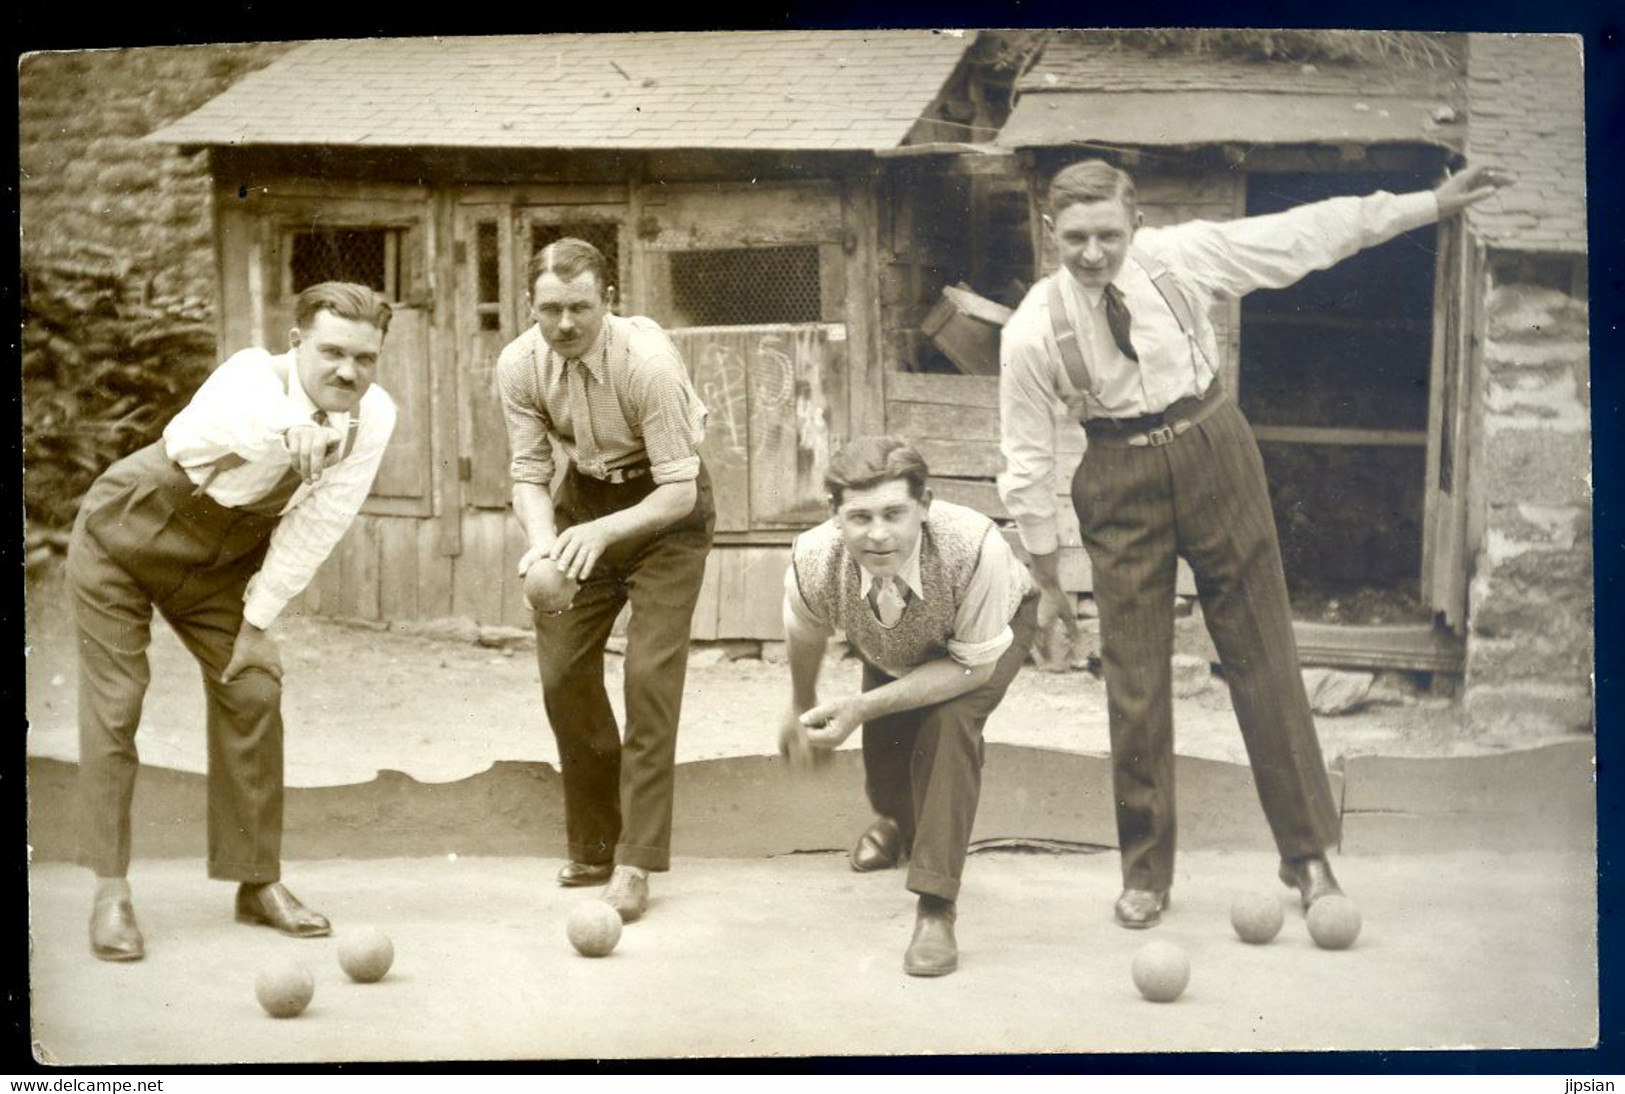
(218, 525)
(1120, 335)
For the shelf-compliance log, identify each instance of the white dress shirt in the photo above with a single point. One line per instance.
(1210, 259)
(245, 408)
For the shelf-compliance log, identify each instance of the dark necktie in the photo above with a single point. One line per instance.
(1120, 320)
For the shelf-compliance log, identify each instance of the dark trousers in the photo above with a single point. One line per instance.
(923, 767)
(143, 539)
(618, 798)
(1204, 497)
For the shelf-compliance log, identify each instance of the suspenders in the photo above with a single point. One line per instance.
(1173, 294)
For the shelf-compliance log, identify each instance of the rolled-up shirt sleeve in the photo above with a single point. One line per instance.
(801, 623)
(529, 427)
(671, 420)
(1027, 406)
(1234, 257)
(982, 624)
(241, 410)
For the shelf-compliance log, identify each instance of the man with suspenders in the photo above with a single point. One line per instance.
(1120, 335)
(218, 525)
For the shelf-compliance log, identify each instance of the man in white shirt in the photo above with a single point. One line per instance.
(942, 614)
(218, 525)
(1120, 337)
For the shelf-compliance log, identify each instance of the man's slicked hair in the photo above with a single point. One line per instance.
(345, 299)
(869, 461)
(1090, 181)
(567, 259)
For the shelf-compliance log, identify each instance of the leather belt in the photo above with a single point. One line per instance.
(1155, 430)
(618, 475)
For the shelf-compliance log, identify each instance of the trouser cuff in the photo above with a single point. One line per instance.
(657, 859)
(248, 873)
(927, 883)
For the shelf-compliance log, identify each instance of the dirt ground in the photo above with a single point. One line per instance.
(799, 956)
(439, 708)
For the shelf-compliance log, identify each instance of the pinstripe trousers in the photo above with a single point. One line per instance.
(145, 538)
(1203, 496)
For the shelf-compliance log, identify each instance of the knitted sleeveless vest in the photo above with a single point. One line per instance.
(832, 585)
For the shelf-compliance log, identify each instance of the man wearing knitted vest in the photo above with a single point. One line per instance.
(942, 614)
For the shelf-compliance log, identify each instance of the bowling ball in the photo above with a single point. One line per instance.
(1257, 917)
(1161, 971)
(547, 590)
(365, 954)
(594, 928)
(1334, 922)
(284, 989)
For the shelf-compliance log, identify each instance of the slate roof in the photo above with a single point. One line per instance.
(787, 90)
(1526, 95)
(1087, 87)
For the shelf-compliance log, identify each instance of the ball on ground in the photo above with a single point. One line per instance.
(365, 954)
(1257, 917)
(1161, 971)
(594, 928)
(284, 989)
(547, 590)
(1334, 922)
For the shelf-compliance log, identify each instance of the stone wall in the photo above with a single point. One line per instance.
(93, 193)
(1530, 644)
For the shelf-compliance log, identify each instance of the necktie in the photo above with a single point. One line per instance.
(1120, 320)
(888, 601)
(587, 458)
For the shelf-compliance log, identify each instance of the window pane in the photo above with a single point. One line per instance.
(361, 255)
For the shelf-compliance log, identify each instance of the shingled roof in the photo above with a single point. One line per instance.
(1526, 94)
(1088, 87)
(788, 90)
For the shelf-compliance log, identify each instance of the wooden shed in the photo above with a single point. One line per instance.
(787, 204)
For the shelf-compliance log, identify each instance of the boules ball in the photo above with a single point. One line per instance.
(594, 928)
(547, 590)
(365, 954)
(1161, 971)
(1257, 917)
(1334, 922)
(284, 989)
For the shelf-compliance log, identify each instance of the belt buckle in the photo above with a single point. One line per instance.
(1163, 434)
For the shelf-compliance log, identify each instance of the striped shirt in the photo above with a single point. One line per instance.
(245, 408)
(1210, 259)
(641, 403)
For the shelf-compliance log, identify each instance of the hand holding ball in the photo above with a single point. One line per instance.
(546, 589)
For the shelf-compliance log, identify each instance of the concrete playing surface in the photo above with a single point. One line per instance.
(798, 955)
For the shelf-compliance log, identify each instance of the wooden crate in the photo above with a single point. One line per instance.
(965, 327)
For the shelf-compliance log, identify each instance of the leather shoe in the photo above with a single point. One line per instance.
(933, 951)
(1311, 876)
(628, 893)
(576, 874)
(880, 846)
(1137, 909)
(273, 906)
(113, 933)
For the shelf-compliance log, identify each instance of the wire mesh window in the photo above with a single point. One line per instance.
(737, 287)
(605, 235)
(366, 256)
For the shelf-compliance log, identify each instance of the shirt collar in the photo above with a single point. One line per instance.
(909, 575)
(299, 399)
(595, 357)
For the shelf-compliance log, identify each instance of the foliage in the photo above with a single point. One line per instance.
(102, 374)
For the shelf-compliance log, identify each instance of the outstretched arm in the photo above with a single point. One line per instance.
(1469, 187)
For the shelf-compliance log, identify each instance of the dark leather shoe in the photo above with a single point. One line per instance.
(1311, 876)
(933, 951)
(880, 846)
(576, 874)
(1137, 909)
(113, 933)
(273, 906)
